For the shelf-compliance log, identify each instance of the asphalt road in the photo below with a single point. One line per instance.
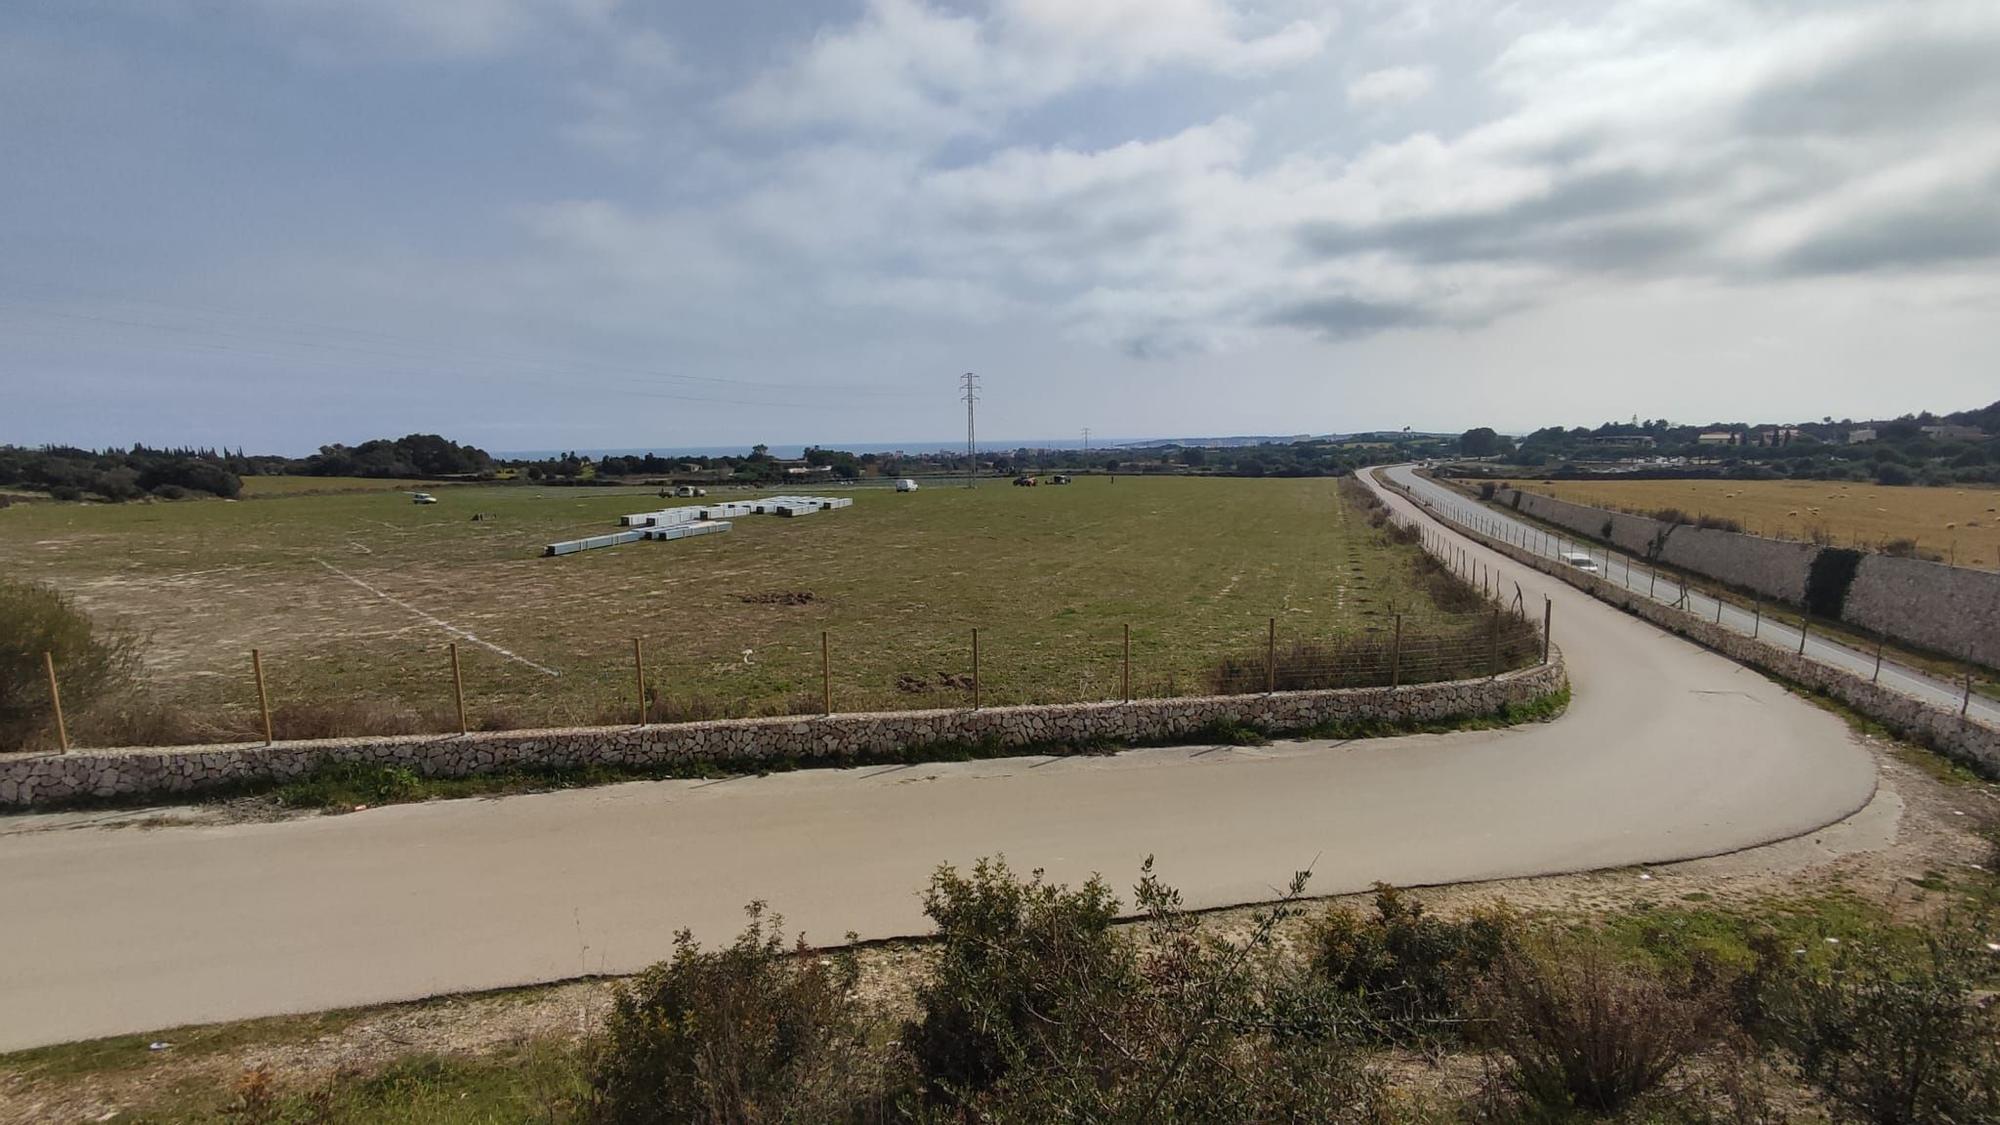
(1780, 632)
(1668, 752)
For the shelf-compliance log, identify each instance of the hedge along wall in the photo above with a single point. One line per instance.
(1970, 742)
(40, 779)
(1945, 609)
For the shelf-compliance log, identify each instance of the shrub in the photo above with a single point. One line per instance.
(750, 1032)
(1892, 1036)
(1410, 973)
(1829, 579)
(1582, 1033)
(1021, 969)
(1890, 473)
(1039, 1011)
(91, 662)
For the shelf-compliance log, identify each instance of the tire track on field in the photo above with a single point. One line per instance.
(440, 622)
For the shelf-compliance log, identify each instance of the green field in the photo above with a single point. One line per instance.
(352, 597)
(261, 487)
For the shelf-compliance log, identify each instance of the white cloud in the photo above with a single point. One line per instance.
(1391, 86)
(911, 69)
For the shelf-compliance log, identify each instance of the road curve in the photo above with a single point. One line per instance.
(1639, 577)
(1668, 752)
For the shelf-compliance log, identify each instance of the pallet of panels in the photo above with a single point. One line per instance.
(591, 543)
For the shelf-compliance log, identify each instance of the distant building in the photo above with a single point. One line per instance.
(1719, 437)
(1945, 431)
(1861, 436)
(1621, 441)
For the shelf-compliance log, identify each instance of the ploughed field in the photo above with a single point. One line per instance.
(352, 597)
(1958, 523)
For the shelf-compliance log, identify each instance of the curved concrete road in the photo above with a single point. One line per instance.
(1668, 752)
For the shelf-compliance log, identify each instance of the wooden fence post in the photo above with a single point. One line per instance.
(1877, 677)
(1128, 662)
(639, 673)
(458, 689)
(1805, 626)
(263, 697)
(55, 700)
(975, 669)
(1396, 655)
(1548, 620)
(825, 677)
(1271, 659)
(1493, 645)
(1757, 618)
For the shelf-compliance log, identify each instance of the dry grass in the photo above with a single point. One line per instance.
(348, 595)
(1960, 523)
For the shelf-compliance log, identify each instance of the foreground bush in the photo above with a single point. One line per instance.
(1039, 1011)
(753, 1032)
(91, 662)
(1580, 1032)
(1893, 1036)
(1411, 974)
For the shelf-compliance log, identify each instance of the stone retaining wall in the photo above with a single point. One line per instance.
(41, 779)
(1942, 608)
(1969, 742)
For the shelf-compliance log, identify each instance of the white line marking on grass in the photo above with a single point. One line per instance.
(440, 623)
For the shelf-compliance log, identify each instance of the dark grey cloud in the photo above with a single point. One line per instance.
(1894, 85)
(1594, 221)
(1961, 229)
(1342, 317)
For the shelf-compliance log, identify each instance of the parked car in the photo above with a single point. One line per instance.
(906, 485)
(1025, 482)
(690, 490)
(1582, 562)
(422, 498)
(1059, 479)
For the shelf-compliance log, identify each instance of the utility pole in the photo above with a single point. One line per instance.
(1086, 444)
(969, 384)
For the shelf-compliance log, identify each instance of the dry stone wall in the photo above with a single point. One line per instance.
(1952, 610)
(43, 779)
(1775, 568)
(1946, 608)
(1970, 742)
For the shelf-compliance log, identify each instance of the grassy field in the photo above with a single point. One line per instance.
(1959, 523)
(352, 597)
(261, 487)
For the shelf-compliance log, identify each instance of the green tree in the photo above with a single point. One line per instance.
(1480, 441)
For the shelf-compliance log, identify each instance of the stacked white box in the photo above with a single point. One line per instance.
(591, 543)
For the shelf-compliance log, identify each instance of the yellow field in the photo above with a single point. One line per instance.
(1960, 523)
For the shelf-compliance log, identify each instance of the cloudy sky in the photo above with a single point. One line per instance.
(601, 223)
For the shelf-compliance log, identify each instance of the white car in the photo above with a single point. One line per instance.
(1582, 562)
(422, 498)
(906, 485)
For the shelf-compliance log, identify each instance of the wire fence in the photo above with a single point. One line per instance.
(1487, 632)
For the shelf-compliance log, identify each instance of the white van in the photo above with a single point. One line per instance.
(906, 485)
(1582, 562)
